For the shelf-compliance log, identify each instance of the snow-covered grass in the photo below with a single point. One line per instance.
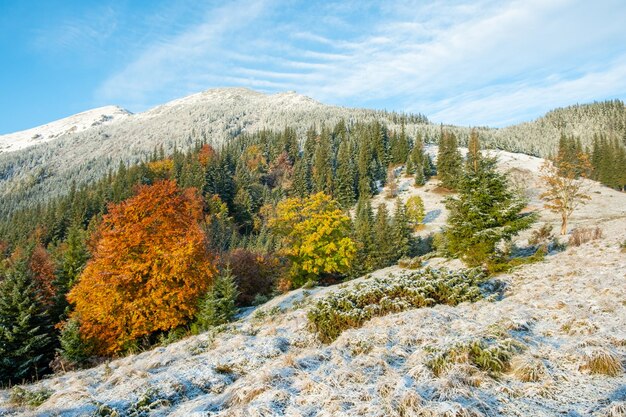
(564, 320)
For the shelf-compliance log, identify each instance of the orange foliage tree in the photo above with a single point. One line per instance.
(148, 270)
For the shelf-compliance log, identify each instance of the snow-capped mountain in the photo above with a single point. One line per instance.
(73, 124)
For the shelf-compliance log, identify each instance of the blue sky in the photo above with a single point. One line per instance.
(465, 62)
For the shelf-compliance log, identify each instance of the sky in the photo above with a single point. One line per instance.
(471, 63)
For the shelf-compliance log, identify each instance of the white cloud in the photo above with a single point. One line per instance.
(488, 62)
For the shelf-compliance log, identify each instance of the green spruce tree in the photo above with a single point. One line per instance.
(345, 192)
(401, 233)
(485, 213)
(26, 342)
(449, 162)
(218, 306)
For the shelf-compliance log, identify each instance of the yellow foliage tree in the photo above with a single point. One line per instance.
(315, 234)
(566, 190)
(149, 268)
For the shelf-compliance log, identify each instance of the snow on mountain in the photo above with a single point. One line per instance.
(72, 124)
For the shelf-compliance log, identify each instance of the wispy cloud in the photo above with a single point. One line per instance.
(467, 62)
(78, 34)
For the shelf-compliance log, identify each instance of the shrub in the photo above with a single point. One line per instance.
(22, 397)
(218, 306)
(602, 361)
(254, 274)
(542, 236)
(410, 263)
(491, 355)
(584, 235)
(352, 307)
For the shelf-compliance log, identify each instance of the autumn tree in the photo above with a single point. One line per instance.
(315, 236)
(414, 207)
(565, 187)
(149, 268)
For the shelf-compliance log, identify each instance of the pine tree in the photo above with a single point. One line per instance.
(449, 162)
(402, 236)
(345, 177)
(218, 306)
(25, 332)
(485, 212)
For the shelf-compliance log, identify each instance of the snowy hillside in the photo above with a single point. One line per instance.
(73, 124)
(561, 316)
(213, 116)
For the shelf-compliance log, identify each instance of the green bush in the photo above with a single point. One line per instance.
(351, 307)
(22, 397)
(491, 355)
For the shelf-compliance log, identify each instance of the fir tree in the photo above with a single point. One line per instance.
(485, 213)
(25, 331)
(218, 306)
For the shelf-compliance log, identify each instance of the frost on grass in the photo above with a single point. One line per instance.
(354, 306)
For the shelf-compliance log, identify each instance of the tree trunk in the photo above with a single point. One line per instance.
(563, 224)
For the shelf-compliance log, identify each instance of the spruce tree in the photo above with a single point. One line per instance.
(322, 169)
(345, 192)
(401, 233)
(25, 331)
(485, 212)
(301, 179)
(449, 162)
(364, 237)
(70, 265)
(383, 238)
(218, 306)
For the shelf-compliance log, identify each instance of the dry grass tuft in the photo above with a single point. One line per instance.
(528, 369)
(583, 235)
(617, 409)
(602, 361)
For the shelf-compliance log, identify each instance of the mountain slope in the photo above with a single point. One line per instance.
(46, 170)
(66, 154)
(70, 125)
(562, 310)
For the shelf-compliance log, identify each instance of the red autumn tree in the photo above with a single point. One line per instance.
(148, 270)
(42, 267)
